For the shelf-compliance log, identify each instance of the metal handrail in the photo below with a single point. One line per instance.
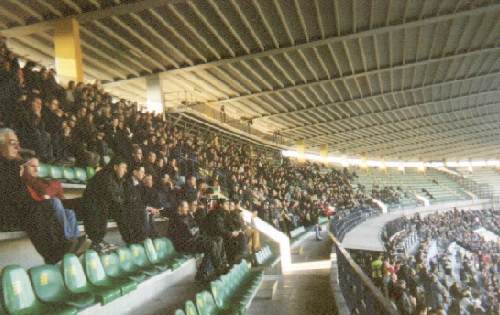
(361, 295)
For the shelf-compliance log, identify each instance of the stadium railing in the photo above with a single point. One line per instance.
(360, 294)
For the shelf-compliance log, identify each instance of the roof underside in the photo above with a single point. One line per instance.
(392, 79)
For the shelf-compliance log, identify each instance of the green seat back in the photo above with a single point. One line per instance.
(43, 171)
(139, 255)
(80, 174)
(74, 276)
(179, 312)
(218, 292)
(111, 264)
(90, 172)
(190, 308)
(151, 253)
(161, 249)
(56, 172)
(69, 173)
(169, 247)
(48, 283)
(93, 267)
(205, 303)
(18, 295)
(126, 261)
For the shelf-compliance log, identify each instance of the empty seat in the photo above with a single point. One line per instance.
(69, 175)
(90, 172)
(76, 281)
(19, 297)
(190, 308)
(80, 175)
(205, 303)
(152, 255)
(56, 172)
(167, 253)
(111, 264)
(100, 284)
(141, 260)
(127, 265)
(49, 287)
(179, 312)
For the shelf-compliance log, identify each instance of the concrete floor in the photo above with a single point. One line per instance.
(303, 291)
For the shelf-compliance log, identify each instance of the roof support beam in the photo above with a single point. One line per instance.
(333, 39)
(360, 74)
(116, 10)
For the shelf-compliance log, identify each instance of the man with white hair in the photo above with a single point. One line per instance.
(18, 211)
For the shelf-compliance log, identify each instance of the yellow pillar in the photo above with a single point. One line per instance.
(323, 153)
(67, 50)
(300, 150)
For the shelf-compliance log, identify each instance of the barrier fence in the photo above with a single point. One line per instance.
(360, 294)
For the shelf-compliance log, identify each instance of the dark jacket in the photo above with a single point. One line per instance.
(233, 221)
(14, 198)
(182, 230)
(216, 226)
(105, 191)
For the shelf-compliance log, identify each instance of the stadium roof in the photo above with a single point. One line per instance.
(392, 79)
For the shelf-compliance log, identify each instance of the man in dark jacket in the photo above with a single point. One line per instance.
(132, 214)
(19, 211)
(235, 241)
(103, 197)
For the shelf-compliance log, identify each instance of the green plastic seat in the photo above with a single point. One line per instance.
(141, 260)
(69, 175)
(76, 281)
(111, 265)
(19, 298)
(205, 303)
(99, 282)
(80, 175)
(49, 287)
(56, 172)
(190, 308)
(43, 171)
(90, 172)
(152, 255)
(168, 253)
(179, 312)
(127, 265)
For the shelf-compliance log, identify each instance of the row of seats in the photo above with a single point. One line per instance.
(263, 255)
(230, 294)
(75, 285)
(65, 174)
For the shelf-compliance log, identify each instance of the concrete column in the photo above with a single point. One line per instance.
(300, 149)
(323, 152)
(67, 50)
(155, 99)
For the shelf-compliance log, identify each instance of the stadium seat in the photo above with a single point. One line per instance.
(80, 175)
(167, 253)
(56, 172)
(76, 281)
(43, 171)
(205, 303)
(190, 308)
(111, 264)
(19, 298)
(49, 287)
(127, 265)
(141, 260)
(152, 255)
(100, 283)
(179, 312)
(90, 172)
(69, 175)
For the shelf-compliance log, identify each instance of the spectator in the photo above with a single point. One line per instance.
(104, 197)
(235, 241)
(51, 194)
(18, 210)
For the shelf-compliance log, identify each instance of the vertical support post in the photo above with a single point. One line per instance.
(67, 50)
(154, 94)
(300, 149)
(323, 153)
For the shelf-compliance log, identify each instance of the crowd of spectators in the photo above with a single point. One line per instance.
(147, 165)
(454, 270)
